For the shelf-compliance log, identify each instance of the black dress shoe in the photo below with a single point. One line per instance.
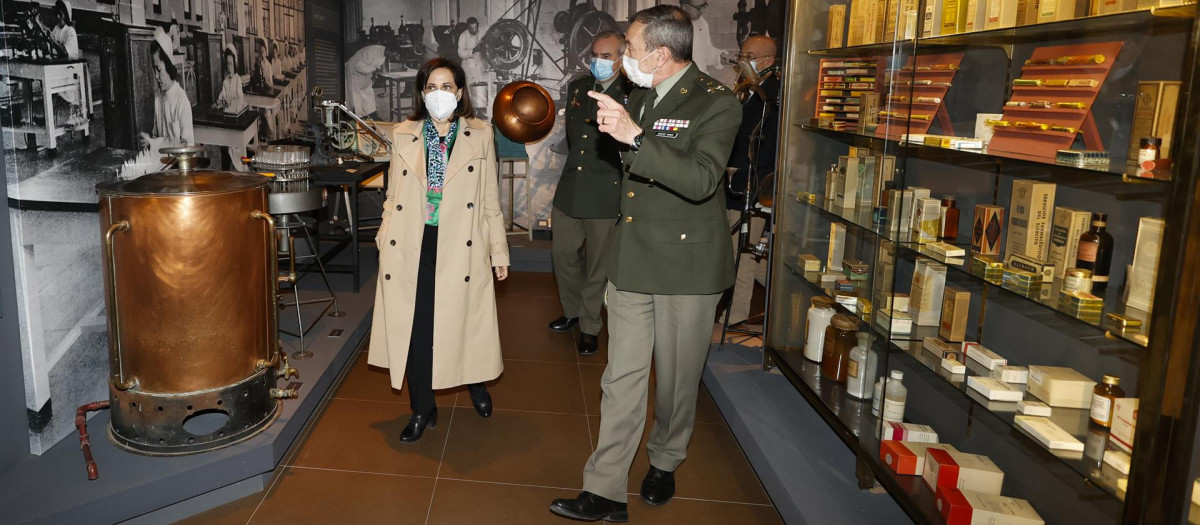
(481, 399)
(658, 487)
(587, 344)
(590, 507)
(563, 324)
(416, 427)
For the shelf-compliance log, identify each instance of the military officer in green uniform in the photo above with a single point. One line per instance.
(587, 200)
(670, 260)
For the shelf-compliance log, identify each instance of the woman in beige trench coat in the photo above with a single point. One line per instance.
(441, 240)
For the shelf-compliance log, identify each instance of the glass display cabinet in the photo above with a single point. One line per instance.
(997, 196)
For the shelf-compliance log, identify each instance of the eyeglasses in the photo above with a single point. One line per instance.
(743, 56)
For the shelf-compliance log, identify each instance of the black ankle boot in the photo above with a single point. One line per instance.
(481, 399)
(416, 426)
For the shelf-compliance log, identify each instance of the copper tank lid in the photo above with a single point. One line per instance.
(182, 179)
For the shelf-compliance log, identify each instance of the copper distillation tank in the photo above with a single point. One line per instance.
(190, 278)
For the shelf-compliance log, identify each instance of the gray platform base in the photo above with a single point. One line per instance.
(805, 468)
(53, 488)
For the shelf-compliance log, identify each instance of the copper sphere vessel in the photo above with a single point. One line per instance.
(524, 112)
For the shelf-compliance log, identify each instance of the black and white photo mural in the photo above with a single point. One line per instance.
(89, 90)
(501, 41)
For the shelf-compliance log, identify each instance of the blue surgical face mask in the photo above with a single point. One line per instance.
(602, 68)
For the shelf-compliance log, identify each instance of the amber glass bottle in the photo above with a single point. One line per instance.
(1104, 396)
(1095, 252)
(840, 338)
(949, 219)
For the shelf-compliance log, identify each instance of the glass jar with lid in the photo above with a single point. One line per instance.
(819, 315)
(840, 338)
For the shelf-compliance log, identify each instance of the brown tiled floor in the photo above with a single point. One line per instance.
(352, 468)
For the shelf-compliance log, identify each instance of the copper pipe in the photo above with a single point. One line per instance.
(85, 443)
(272, 360)
(114, 319)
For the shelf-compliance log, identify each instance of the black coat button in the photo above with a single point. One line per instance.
(393, 243)
(467, 133)
(414, 139)
(399, 207)
(467, 279)
(470, 168)
(405, 172)
(470, 205)
(468, 243)
(387, 276)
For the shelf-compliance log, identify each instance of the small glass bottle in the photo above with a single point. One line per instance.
(819, 315)
(839, 340)
(895, 397)
(1095, 251)
(861, 368)
(949, 219)
(1103, 398)
(877, 401)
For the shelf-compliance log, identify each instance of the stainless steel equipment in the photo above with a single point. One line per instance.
(190, 280)
(290, 190)
(292, 193)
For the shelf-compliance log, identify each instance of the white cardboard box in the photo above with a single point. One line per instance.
(953, 365)
(908, 432)
(1029, 219)
(1124, 422)
(925, 297)
(1060, 386)
(964, 507)
(1011, 374)
(1033, 408)
(962, 471)
(984, 355)
(1069, 224)
(1049, 434)
(1145, 264)
(994, 390)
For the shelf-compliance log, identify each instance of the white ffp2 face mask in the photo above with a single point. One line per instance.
(635, 74)
(441, 104)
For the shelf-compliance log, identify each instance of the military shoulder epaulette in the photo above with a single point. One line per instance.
(710, 85)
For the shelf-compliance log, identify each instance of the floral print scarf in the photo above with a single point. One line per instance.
(437, 155)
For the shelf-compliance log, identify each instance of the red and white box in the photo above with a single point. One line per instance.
(893, 431)
(907, 457)
(964, 507)
(962, 471)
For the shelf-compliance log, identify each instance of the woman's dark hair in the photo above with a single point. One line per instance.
(225, 56)
(464, 109)
(61, 7)
(167, 65)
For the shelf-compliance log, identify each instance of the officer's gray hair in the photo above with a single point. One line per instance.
(666, 26)
(612, 34)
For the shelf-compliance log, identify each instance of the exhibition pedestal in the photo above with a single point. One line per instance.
(53, 487)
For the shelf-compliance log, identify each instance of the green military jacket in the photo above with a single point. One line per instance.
(590, 187)
(673, 235)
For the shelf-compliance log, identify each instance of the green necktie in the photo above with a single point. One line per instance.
(647, 105)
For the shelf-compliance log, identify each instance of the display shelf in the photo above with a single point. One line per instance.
(1049, 299)
(812, 281)
(910, 347)
(860, 220)
(857, 428)
(1074, 421)
(1159, 368)
(1119, 181)
(1099, 24)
